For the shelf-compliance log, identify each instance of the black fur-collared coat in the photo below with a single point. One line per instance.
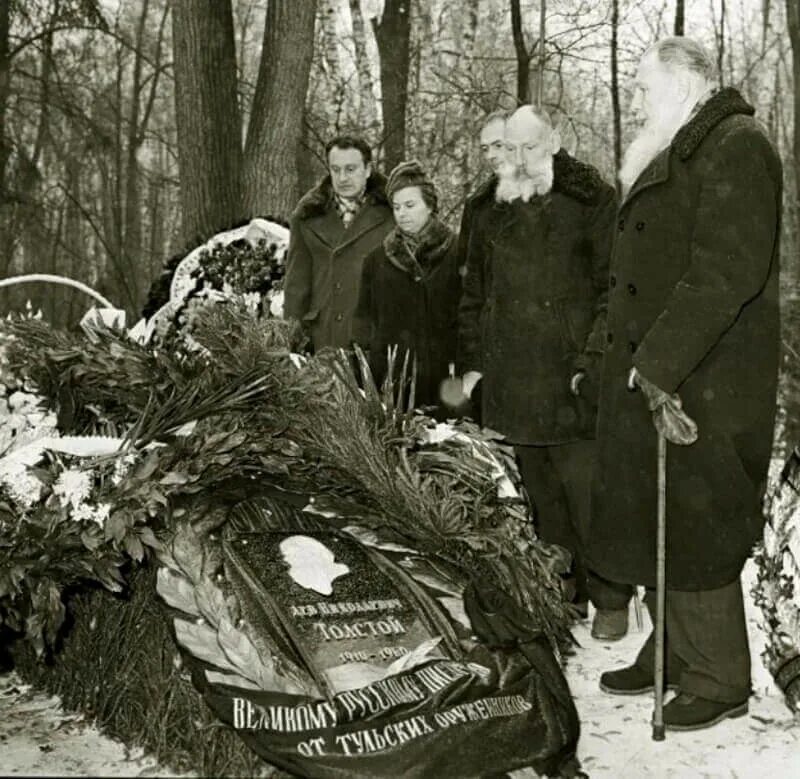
(325, 260)
(410, 298)
(533, 307)
(694, 306)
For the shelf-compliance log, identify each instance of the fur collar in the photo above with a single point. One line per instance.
(433, 244)
(485, 191)
(319, 199)
(576, 179)
(722, 104)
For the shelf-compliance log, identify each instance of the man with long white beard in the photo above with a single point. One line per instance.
(531, 320)
(692, 320)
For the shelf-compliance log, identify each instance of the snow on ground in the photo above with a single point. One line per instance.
(38, 739)
(616, 731)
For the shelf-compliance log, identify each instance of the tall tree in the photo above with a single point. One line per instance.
(524, 56)
(393, 35)
(793, 23)
(615, 108)
(527, 92)
(679, 17)
(328, 13)
(367, 105)
(719, 35)
(276, 121)
(207, 116)
(5, 78)
(541, 43)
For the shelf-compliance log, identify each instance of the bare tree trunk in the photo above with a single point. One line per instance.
(523, 55)
(393, 35)
(679, 17)
(615, 109)
(5, 79)
(132, 222)
(72, 243)
(793, 24)
(367, 105)
(276, 124)
(540, 75)
(330, 42)
(719, 34)
(207, 116)
(468, 37)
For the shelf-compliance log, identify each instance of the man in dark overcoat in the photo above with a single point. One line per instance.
(692, 316)
(333, 228)
(493, 152)
(531, 320)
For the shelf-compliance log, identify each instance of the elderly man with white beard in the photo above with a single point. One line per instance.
(692, 320)
(531, 321)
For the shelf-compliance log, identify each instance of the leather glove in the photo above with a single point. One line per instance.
(669, 418)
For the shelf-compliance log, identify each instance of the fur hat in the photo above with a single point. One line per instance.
(411, 174)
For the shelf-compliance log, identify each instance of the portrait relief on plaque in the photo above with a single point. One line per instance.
(311, 564)
(350, 617)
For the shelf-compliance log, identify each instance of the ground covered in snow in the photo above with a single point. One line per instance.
(616, 732)
(38, 739)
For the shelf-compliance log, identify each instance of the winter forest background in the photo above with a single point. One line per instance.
(132, 130)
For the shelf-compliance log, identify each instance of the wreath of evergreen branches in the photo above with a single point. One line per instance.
(249, 408)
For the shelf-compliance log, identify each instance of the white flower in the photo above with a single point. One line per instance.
(22, 486)
(19, 400)
(251, 301)
(276, 304)
(121, 467)
(73, 487)
(98, 513)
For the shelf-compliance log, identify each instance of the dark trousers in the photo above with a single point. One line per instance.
(608, 595)
(705, 650)
(558, 481)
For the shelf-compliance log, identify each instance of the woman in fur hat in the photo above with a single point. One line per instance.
(410, 286)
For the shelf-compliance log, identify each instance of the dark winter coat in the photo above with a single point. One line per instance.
(325, 260)
(694, 306)
(534, 298)
(411, 299)
(473, 206)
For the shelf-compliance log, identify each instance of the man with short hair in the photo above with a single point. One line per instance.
(493, 150)
(693, 320)
(531, 319)
(334, 227)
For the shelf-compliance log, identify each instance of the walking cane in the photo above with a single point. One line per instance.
(661, 555)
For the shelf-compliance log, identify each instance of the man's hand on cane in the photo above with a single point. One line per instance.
(669, 418)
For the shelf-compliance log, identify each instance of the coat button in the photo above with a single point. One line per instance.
(610, 338)
(613, 281)
(338, 286)
(640, 226)
(631, 289)
(621, 225)
(338, 317)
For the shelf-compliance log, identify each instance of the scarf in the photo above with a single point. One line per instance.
(348, 207)
(417, 254)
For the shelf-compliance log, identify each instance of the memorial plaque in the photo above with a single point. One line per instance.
(346, 616)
